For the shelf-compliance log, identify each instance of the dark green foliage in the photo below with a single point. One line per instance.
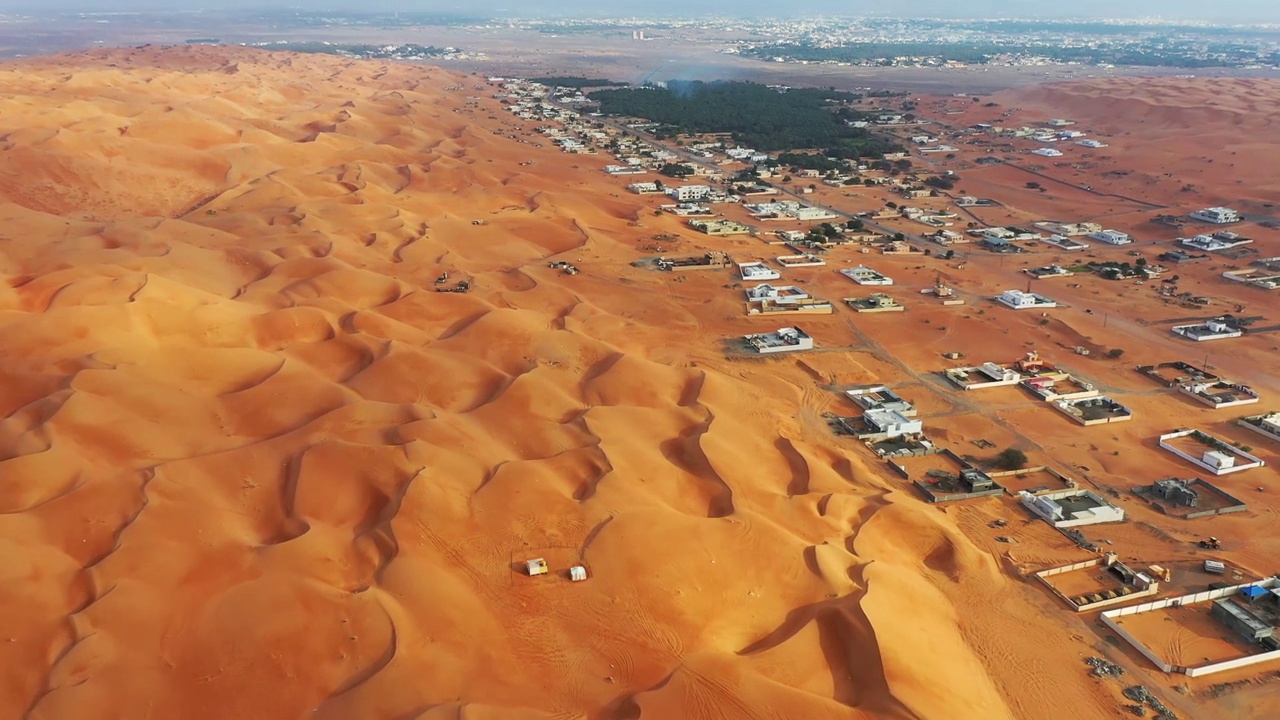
(755, 114)
(576, 81)
(1010, 459)
(676, 170)
(809, 161)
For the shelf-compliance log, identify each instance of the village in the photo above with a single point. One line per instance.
(833, 259)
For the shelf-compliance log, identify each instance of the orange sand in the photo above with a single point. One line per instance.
(255, 467)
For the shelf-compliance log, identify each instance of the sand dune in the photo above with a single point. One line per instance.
(255, 466)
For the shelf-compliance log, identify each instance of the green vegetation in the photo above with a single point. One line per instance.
(1010, 459)
(576, 81)
(756, 115)
(809, 161)
(941, 182)
(676, 170)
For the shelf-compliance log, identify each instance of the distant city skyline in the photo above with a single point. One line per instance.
(1235, 11)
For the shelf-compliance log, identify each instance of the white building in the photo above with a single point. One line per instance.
(891, 423)
(1047, 152)
(1215, 329)
(1216, 215)
(880, 397)
(1095, 144)
(1019, 300)
(689, 193)
(1213, 243)
(864, 275)
(1111, 237)
(1220, 393)
(1222, 460)
(787, 339)
(807, 214)
(1265, 425)
(644, 188)
(1071, 508)
(757, 271)
(986, 375)
(1059, 122)
(1065, 243)
(779, 294)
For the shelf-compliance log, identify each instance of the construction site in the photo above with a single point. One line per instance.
(1102, 582)
(1189, 498)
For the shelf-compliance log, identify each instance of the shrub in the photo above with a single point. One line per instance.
(1011, 459)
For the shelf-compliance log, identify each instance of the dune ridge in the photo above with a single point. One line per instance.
(254, 466)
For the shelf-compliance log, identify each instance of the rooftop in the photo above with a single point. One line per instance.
(784, 338)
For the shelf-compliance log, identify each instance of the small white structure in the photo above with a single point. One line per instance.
(1059, 122)
(1216, 215)
(780, 294)
(1111, 237)
(1134, 584)
(1019, 300)
(806, 213)
(577, 573)
(1216, 329)
(1258, 277)
(987, 375)
(535, 567)
(888, 424)
(1048, 271)
(1265, 425)
(864, 275)
(1059, 386)
(1214, 243)
(625, 170)
(1095, 410)
(1065, 243)
(757, 271)
(787, 339)
(1221, 460)
(1047, 152)
(1095, 144)
(1220, 393)
(1071, 508)
(689, 193)
(880, 397)
(805, 260)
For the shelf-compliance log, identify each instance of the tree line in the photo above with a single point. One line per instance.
(756, 115)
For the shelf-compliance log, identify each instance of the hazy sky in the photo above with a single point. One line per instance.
(1241, 11)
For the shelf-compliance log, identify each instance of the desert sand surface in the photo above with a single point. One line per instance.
(254, 466)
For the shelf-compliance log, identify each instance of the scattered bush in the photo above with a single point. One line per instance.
(1011, 459)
